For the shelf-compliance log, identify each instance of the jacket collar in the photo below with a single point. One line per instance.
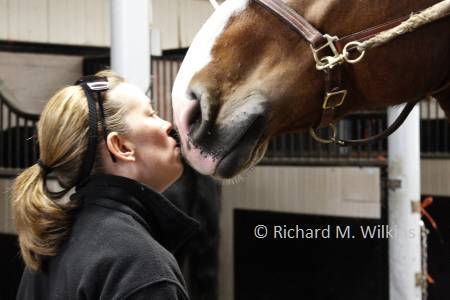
(168, 225)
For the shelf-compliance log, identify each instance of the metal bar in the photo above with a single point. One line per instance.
(359, 134)
(35, 146)
(9, 156)
(437, 122)
(26, 161)
(158, 87)
(18, 142)
(2, 137)
(446, 137)
(370, 132)
(172, 79)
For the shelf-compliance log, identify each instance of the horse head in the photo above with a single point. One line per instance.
(248, 76)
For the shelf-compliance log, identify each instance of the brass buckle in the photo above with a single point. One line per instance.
(327, 62)
(343, 94)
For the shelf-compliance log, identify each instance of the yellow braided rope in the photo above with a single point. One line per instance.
(415, 21)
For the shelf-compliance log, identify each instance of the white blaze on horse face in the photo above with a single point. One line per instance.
(197, 57)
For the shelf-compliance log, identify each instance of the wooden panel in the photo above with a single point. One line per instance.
(88, 22)
(47, 73)
(435, 177)
(350, 192)
(57, 14)
(28, 20)
(13, 19)
(67, 21)
(6, 221)
(93, 18)
(106, 32)
(193, 14)
(165, 18)
(4, 7)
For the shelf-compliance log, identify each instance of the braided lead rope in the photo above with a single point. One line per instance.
(415, 21)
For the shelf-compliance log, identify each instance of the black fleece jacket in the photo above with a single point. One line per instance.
(119, 247)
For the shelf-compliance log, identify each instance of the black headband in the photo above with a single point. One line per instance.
(91, 85)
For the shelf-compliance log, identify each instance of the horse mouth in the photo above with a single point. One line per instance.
(227, 151)
(245, 153)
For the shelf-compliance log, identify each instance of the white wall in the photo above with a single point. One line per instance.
(87, 22)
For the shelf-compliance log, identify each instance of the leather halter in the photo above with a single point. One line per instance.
(334, 93)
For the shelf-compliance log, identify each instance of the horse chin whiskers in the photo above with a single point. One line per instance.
(239, 177)
(259, 154)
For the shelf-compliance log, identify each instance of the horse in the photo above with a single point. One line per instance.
(248, 76)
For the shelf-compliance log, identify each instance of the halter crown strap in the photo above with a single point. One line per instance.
(298, 23)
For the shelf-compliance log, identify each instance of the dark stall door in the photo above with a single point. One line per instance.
(11, 266)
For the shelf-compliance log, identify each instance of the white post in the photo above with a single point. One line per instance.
(130, 41)
(404, 246)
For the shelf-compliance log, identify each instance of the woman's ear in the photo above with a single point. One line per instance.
(120, 147)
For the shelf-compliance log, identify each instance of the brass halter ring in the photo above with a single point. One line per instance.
(331, 139)
(349, 47)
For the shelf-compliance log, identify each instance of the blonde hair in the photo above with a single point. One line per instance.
(42, 223)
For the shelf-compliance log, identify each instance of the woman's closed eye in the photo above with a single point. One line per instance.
(153, 113)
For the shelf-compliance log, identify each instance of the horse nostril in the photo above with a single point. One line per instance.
(194, 95)
(201, 117)
(195, 115)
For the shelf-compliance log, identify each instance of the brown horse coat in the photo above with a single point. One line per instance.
(258, 59)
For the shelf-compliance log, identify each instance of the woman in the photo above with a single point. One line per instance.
(113, 239)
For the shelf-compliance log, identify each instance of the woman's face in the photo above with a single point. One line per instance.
(157, 156)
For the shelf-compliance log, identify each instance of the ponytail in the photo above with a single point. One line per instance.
(41, 223)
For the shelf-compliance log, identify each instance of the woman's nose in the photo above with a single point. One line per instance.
(168, 127)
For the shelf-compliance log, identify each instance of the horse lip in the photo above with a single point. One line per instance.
(220, 139)
(238, 155)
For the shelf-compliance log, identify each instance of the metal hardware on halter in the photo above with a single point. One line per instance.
(329, 95)
(330, 140)
(352, 46)
(329, 62)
